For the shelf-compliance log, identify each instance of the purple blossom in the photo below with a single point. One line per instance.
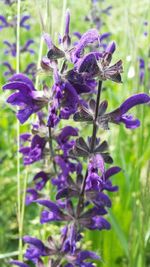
(141, 70)
(31, 195)
(53, 213)
(101, 182)
(63, 99)
(4, 23)
(66, 38)
(35, 250)
(13, 22)
(18, 263)
(87, 38)
(119, 115)
(12, 48)
(63, 138)
(92, 219)
(23, 22)
(34, 152)
(40, 180)
(10, 71)
(28, 99)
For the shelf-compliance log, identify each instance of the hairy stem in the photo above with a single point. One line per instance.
(81, 198)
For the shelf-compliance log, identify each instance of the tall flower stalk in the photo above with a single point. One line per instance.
(81, 201)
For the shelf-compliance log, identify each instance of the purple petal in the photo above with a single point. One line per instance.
(24, 114)
(22, 22)
(67, 22)
(66, 132)
(22, 78)
(129, 121)
(83, 255)
(48, 40)
(104, 36)
(87, 38)
(25, 137)
(112, 171)
(31, 196)
(49, 204)
(34, 241)
(18, 99)
(18, 263)
(133, 101)
(111, 48)
(100, 223)
(40, 180)
(21, 86)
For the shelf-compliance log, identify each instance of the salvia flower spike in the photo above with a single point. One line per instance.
(81, 200)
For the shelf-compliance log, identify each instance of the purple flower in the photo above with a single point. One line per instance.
(101, 182)
(35, 250)
(12, 48)
(4, 23)
(141, 70)
(66, 38)
(99, 199)
(26, 47)
(53, 213)
(31, 195)
(34, 152)
(69, 101)
(40, 179)
(87, 38)
(63, 138)
(31, 70)
(10, 71)
(96, 64)
(9, 2)
(119, 115)
(27, 98)
(23, 22)
(82, 83)
(65, 102)
(92, 219)
(13, 23)
(19, 263)
(107, 185)
(69, 244)
(80, 259)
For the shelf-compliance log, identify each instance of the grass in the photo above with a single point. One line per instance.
(127, 244)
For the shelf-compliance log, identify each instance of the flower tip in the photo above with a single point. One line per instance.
(111, 47)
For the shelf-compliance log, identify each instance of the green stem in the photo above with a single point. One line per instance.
(18, 134)
(23, 201)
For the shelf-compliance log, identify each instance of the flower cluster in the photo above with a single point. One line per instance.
(5, 22)
(81, 200)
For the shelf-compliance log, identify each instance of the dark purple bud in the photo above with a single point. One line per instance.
(111, 48)
(67, 22)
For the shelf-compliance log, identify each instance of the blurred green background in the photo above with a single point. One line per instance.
(127, 244)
